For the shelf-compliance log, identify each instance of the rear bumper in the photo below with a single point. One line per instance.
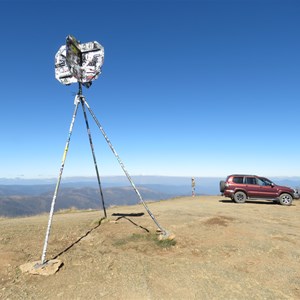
(228, 193)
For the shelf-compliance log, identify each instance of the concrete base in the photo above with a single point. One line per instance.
(50, 267)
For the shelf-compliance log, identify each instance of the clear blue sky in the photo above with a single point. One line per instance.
(188, 88)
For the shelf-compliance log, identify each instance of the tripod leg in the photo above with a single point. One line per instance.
(163, 231)
(58, 181)
(82, 100)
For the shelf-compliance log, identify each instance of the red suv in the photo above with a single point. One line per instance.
(242, 187)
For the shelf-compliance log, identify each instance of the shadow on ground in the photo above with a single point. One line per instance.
(250, 202)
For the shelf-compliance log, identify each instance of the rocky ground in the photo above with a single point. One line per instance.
(222, 250)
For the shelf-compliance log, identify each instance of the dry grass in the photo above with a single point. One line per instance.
(222, 250)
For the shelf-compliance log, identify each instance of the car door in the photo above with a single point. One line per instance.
(267, 190)
(251, 186)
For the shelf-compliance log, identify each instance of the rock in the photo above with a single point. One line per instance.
(168, 236)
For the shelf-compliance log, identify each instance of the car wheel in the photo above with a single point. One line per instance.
(285, 199)
(239, 197)
(222, 186)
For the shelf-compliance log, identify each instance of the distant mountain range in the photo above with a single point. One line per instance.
(20, 197)
(26, 200)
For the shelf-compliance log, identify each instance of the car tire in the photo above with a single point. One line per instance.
(285, 199)
(239, 197)
(222, 186)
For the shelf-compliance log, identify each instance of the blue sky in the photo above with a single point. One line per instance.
(188, 88)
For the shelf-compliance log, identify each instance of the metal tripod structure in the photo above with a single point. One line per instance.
(80, 99)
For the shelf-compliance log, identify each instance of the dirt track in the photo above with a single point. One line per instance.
(223, 250)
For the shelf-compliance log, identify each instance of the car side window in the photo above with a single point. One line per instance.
(250, 180)
(238, 179)
(266, 181)
(261, 182)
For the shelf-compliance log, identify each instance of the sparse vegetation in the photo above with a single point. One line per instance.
(149, 237)
(222, 251)
(164, 243)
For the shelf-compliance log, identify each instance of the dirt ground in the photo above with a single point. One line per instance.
(222, 250)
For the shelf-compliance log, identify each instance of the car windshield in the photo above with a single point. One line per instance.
(264, 181)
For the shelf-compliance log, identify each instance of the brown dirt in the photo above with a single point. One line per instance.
(223, 250)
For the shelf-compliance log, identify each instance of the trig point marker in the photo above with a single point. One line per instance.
(81, 63)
